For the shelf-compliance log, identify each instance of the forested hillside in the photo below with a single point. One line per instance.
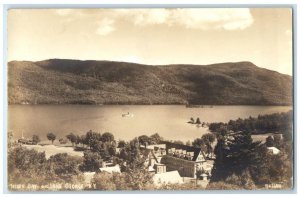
(59, 81)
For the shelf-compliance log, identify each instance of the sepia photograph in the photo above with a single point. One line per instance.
(150, 99)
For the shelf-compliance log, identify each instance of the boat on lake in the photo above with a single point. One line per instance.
(127, 114)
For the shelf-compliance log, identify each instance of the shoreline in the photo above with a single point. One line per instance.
(53, 149)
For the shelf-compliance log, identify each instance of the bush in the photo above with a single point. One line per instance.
(92, 162)
(104, 181)
(138, 179)
(27, 166)
(223, 186)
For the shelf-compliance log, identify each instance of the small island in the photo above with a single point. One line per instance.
(197, 122)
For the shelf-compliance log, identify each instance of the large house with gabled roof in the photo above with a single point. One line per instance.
(187, 160)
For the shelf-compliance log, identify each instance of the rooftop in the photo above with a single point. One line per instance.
(172, 177)
(154, 146)
(274, 150)
(193, 151)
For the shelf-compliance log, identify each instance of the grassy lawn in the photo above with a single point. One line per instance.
(261, 137)
(53, 150)
(55, 143)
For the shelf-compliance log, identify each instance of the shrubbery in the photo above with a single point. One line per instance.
(27, 166)
(250, 165)
(138, 179)
(277, 122)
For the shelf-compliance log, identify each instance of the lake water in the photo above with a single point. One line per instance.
(170, 121)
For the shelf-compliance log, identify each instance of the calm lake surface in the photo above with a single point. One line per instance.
(170, 121)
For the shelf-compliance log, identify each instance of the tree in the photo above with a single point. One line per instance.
(219, 169)
(97, 146)
(102, 148)
(91, 161)
(178, 142)
(121, 144)
(104, 181)
(137, 179)
(51, 137)
(144, 140)
(192, 121)
(244, 163)
(287, 135)
(35, 139)
(235, 155)
(82, 140)
(134, 157)
(105, 151)
(155, 138)
(78, 140)
(124, 154)
(277, 140)
(91, 137)
(188, 143)
(217, 127)
(198, 142)
(278, 122)
(208, 140)
(269, 141)
(208, 137)
(64, 166)
(23, 158)
(107, 137)
(112, 150)
(273, 168)
(120, 181)
(25, 165)
(242, 152)
(72, 138)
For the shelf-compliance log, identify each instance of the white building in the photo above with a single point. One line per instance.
(273, 150)
(111, 169)
(171, 177)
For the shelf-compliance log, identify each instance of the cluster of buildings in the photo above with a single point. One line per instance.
(174, 163)
(24, 140)
(171, 163)
(177, 163)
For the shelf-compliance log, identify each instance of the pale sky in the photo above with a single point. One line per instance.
(154, 36)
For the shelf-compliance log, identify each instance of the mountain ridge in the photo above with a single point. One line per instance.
(69, 81)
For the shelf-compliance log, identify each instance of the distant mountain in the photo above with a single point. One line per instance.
(59, 81)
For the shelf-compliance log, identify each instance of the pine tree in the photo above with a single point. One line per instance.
(241, 154)
(219, 170)
(235, 155)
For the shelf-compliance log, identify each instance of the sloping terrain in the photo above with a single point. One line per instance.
(59, 81)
